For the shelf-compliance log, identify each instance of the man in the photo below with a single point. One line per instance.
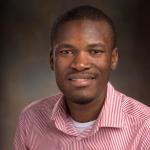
(89, 114)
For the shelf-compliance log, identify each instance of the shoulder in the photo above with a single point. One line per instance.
(47, 102)
(136, 114)
(41, 107)
(130, 107)
(137, 118)
(135, 108)
(35, 117)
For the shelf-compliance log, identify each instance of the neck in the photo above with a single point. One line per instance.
(86, 112)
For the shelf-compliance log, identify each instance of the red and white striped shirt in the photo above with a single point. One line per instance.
(123, 124)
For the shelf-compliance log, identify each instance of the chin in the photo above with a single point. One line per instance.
(82, 102)
(81, 99)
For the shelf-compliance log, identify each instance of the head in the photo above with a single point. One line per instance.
(84, 12)
(83, 52)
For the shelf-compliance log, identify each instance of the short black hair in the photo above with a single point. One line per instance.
(83, 12)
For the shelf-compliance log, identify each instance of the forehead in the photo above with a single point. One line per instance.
(82, 30)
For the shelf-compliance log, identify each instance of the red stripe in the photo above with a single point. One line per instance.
(123, 124)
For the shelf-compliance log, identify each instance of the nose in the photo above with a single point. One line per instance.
(81, 62)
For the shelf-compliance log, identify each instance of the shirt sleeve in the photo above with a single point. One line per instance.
(20, 139)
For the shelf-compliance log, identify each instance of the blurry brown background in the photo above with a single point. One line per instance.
(25, 71)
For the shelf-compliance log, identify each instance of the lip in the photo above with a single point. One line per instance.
(81, 76)
(81, 80)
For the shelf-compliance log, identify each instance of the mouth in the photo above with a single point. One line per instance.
(85, 76)
(81, 80)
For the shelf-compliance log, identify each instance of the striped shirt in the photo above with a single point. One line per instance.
(123, 124)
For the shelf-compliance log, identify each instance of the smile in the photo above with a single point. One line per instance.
(81, 80)
(81, 76)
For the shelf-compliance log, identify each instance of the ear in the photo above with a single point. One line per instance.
(51, 60)
(114, 58)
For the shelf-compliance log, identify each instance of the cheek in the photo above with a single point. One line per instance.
(104, 63)
(59, 63)
(61, 66)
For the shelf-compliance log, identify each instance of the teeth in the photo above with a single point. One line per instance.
(78, 79)
(90, 78)
(81, 77)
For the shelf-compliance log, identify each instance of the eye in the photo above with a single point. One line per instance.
(66, 52)
(96, 51)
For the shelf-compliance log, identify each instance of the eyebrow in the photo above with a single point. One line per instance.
(65, 45)
(95, 45)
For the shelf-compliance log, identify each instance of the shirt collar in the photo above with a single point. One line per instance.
(112, 112)
(61, 118)
(57, 107)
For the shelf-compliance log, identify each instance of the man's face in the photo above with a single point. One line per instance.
(82, 59)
